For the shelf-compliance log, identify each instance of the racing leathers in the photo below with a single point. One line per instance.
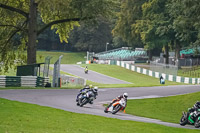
(86, 90)
(195, 107)
(117, 99)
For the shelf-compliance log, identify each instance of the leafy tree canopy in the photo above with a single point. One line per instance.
(20, 21)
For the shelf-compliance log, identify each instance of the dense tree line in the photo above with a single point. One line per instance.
(168, 24)
(91, 38)
(85, 25)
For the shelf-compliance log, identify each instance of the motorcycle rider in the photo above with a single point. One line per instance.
(95, 93)
(195, 107)
(86, 68)
(125, 96)
(84, 90)
(87, 89)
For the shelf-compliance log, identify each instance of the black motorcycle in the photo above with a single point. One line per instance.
(192, 118)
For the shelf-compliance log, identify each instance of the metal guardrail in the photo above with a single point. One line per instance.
(23, 81)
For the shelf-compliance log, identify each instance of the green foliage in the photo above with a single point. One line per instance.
(91, 38)
(130, 12)
(159, 23)
(186, 19)
(60, 15)
(154, 24)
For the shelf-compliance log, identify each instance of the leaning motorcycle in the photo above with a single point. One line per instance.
(85, 98)
(116, 106)
(192, 118)
(86, 71)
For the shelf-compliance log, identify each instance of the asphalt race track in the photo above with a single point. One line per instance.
(65, 99)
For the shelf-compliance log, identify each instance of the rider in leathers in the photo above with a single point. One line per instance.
(195, 107)
(87, 89)
(125, 96)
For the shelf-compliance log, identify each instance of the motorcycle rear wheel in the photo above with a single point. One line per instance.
(106, 110)
(197, 123)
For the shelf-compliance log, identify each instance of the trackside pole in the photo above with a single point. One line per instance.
(56, 73)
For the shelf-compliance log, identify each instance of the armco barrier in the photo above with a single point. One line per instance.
(158, 74)
(23, 81)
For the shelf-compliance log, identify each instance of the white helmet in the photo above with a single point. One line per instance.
(95, 89)
(125, 95)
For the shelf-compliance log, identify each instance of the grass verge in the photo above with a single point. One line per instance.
(68, 57)
(166, 109)
(137, 79)
(17, 117)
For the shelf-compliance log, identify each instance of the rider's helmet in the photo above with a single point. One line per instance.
(95, 89)
(197, 104)
(85, 66)
(125, 95)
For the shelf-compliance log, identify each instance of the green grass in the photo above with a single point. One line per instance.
(68, 58)
(193, 72)
(17, 117)
(166, 109)
(135, 78)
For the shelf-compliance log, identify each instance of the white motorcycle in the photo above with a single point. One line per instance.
(116, 106)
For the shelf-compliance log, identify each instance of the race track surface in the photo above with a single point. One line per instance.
(92, 75)
(65, 99)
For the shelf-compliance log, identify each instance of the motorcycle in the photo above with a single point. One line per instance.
(192, 118)
(86, 71)
(85, 98)
(116, 106)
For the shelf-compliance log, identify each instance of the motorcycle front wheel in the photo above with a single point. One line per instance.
(184, 120)
(82, 101)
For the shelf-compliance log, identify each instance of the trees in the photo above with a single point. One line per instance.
(160, 23)
(154, 26)
(186, 14)
(131, 11)
(91, 38)
(20, 18)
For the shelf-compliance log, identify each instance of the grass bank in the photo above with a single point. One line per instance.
(135, 78)
(17, 117)
(166, 109)
(68, 57)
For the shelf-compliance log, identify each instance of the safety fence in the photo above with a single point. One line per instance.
(158, 74)
(164, 68)
(23, 81)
